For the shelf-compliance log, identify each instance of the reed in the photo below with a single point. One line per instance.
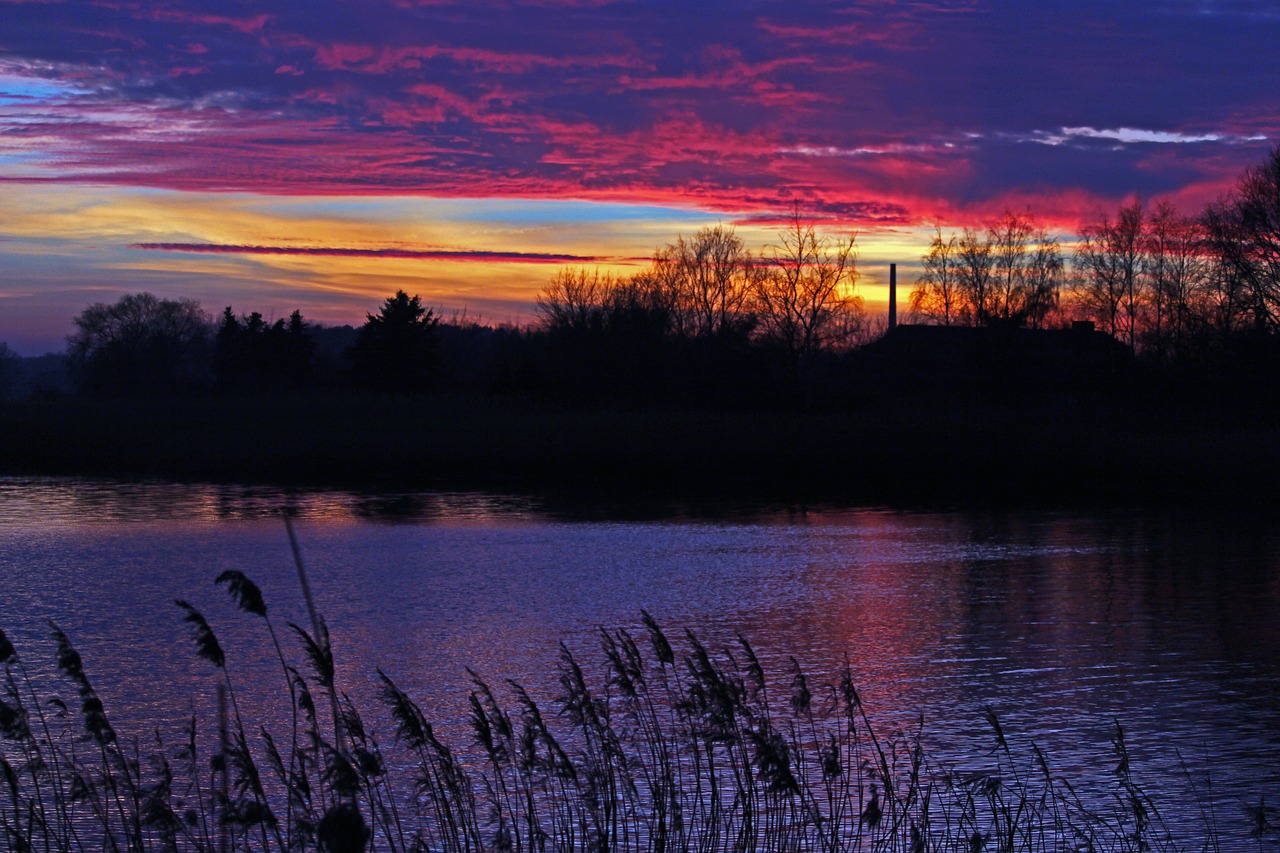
(661, 745)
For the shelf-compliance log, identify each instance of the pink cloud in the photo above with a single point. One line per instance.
(252, 24)
(870, 110)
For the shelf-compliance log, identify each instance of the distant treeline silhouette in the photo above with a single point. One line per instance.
(1192, 302)
(1177, 290)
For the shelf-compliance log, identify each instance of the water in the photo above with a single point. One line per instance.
(1061, 623)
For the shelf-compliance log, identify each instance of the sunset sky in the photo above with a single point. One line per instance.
(320, 154)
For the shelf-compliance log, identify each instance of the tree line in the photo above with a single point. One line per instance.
(709, 320)
(708, 316)
(145, 344)
(1177, 290)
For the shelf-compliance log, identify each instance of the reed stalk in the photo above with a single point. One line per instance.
(666, 749)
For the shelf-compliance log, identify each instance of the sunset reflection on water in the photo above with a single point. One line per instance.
(91, 501)
(1061, 623)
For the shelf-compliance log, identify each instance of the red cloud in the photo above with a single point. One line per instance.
(868, 113)
(337, 251)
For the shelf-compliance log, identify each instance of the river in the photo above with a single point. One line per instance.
(1062, 623)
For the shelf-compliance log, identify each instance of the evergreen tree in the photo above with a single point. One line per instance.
(397, 348)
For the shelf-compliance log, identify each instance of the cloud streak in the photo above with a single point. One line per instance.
(477, 255)
(1138, 136)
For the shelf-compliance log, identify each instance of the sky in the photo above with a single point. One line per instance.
(319, 155)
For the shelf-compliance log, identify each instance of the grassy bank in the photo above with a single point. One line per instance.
(662, 745)
(890, 455)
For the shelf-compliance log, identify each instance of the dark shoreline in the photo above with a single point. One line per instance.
(992, 456)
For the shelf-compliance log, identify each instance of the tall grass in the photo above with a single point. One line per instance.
(661, 745)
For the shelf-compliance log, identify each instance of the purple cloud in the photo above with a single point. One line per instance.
(865, 110)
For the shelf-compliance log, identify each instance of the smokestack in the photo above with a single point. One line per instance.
(893, 296)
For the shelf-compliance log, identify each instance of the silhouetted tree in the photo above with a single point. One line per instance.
(1177, 267)
(1161, 283)
(572, 311)
(705, 282)
(226, 347)
(251, 354)
(298, 348)
(574, 299)
(396, 349)
(975, 268)
(1027, 271)
(804, 301)
(1244, 232)
(1110, 263)
(1229, 303)
(685, 322)
(141, 343)
(604, 335)
(700, 287)
(937, 297)
(1009, 272)
(636, 305)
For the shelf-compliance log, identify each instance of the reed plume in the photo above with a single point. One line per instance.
(675, 747)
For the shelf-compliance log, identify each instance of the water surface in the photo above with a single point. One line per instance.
(1062, 623)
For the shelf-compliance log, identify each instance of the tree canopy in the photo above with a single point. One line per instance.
(804, 300)
(397, 348)
(252, 354)
(141, 343)
(1244, 230)
(1009, 272)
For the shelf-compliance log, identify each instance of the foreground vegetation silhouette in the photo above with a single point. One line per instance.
(669, 746)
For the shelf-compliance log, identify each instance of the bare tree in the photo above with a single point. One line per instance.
(1177, 269)
(1008, 238)
(574, 298)
(706, 281)
(1229, 301)
(1244, 231)
(937, 293)
(1044, 277)
(1027, 271)
(975, 268)
(141, 343)
(1110, 261)
(641, 291)
(1009, 272)
(805, 300)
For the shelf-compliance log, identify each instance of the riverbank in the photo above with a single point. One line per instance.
(897, 456)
